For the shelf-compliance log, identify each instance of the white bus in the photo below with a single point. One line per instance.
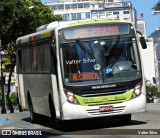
(82, 69)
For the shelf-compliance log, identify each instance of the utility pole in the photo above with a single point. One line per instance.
(2, 87)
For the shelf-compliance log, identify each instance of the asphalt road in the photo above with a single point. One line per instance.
(145, 124)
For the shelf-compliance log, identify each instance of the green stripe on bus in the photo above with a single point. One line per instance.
(110, 99)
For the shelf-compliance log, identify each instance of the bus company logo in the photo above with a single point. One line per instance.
(103, 86)
(105, 100)
(6, 132)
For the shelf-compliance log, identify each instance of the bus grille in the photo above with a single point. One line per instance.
(102, 92)
(96, 112)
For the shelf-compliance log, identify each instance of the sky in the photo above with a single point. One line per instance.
(145, 7)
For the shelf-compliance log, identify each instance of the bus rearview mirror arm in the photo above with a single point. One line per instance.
(142, 40)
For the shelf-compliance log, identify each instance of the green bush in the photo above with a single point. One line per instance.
(13, 98)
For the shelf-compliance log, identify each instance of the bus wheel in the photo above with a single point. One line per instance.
(32, 114)
(125, 119)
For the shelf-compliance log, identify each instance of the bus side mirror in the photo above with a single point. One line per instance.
(143, 42)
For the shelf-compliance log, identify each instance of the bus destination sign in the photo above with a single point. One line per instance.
(96, 31)
(84, 76)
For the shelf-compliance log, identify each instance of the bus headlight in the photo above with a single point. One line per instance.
(70, 97)
(137, 91)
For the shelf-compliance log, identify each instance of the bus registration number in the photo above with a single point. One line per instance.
(106, 108)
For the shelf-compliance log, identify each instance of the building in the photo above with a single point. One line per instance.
(150, 64)
(71, 9)
(156, 37)
(141, 26)
(93, 9)
(114, 10)
(149, 55)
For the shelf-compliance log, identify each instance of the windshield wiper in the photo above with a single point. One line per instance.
(85, 48)
(114, 44)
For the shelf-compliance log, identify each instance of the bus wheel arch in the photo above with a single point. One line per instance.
(52, 108)
(54, 121)
(30, 106)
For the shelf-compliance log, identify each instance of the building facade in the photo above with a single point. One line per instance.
(71, 9)
(93, 9)
(114, 10)
(150, 64)
(141, 26)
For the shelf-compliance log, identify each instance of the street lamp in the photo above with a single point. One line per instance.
(2, 87)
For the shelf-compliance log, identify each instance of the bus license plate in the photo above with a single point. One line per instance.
(106, 108)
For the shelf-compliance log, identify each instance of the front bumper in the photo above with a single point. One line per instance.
(72, 111)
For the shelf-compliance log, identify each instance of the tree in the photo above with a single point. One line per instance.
(18, 18)
(152, 88)
(156, 7)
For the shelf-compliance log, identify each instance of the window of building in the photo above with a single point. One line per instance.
(79, 16)
(95, 15)
(125, 12)
(108, 13)
(86, 5)
(54, 7)
(65, 17)
(88, 15)
(60, 7)
(80, 5)
(110, 0)
(73, 16)
(116, 13)
(100, 6)
(67, 6)
(101, 14)
(154, 80)
(73, 6)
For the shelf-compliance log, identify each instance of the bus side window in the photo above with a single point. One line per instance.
(34, 58)
(47, 59)
(19, 61)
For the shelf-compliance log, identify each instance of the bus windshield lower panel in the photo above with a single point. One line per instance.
(100, 61)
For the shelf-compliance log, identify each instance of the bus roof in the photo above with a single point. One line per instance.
(46, 31)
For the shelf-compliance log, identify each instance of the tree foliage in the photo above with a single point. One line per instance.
(18, 18)
(21, 17)
(153, 89)
(156, 7)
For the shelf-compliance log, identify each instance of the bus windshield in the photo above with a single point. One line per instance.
(85, 62)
